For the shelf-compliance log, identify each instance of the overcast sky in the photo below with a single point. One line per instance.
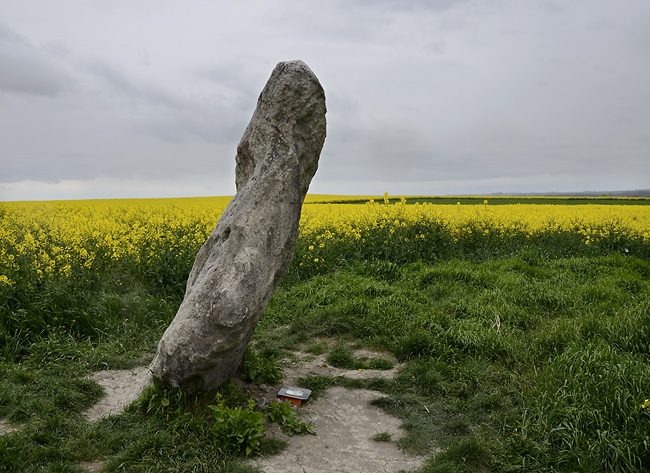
(149, 98)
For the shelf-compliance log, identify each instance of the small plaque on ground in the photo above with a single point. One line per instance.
(294, 395)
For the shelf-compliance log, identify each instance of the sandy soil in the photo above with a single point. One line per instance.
(121, 388)
(345, 424)
(306, 365)
(7, 427)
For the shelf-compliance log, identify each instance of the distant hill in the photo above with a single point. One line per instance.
(633, 193)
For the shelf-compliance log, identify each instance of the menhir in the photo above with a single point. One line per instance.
(250, 249)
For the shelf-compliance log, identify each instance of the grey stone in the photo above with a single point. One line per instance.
(240, 265)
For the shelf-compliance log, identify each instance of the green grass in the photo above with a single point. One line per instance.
(341, 356)
(519, 356)
(542, 363)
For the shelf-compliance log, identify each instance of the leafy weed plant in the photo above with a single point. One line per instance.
(283, 414)
(258, 369)
(238, 428)
(383, 437)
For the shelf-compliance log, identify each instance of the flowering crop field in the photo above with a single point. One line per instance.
(523, 325)
(63, 238)
(607, 224)
(66, 238)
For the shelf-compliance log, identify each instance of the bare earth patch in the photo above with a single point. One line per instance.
(93, 467)
(345, 420)
(345, 424)
(121, 388)
(307, 364)
(7, 427)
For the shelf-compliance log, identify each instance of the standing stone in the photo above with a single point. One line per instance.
(249, 251)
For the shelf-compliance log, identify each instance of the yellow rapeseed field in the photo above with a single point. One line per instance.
(54, 238)
(593, 222)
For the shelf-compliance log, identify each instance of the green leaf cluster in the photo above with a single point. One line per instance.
(158, 401)
(282, 413)
(239, 429)
(258, 369)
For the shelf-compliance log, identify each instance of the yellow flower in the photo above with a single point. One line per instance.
(57, 239)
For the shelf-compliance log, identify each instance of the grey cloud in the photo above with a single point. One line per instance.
(393, 153)
(50, 169)
(7, 34)
(211, 114)
(409, 6)
(134, 91)
(382, 154)
(235, 83)
(352, 24)
(28, 69)
(213, 124)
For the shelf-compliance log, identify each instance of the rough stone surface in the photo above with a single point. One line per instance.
(250, 249)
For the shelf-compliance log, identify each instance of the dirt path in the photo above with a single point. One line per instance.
(345, 424)
(121, 388)
(345, 421)
(306, 364)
